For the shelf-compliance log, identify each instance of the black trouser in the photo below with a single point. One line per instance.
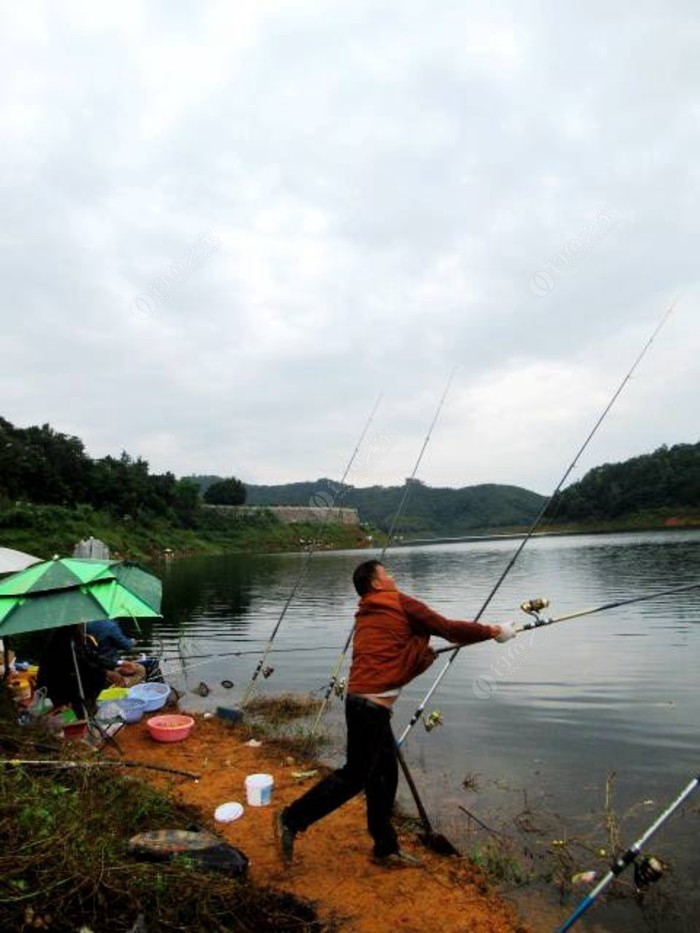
(370, 766)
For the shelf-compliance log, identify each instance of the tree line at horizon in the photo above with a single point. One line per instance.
(42, 466)
(667, 478)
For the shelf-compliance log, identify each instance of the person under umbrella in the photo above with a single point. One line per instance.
(77, 683)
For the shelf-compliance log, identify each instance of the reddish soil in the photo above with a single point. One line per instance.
(332, 865)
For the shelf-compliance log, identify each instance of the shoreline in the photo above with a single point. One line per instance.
(332, 867)
(48, 530)
(551, 532)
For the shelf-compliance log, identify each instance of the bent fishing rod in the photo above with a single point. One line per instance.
(518, 551)
(534, 607)
(305, 564)
(628, 857)
(333, 683)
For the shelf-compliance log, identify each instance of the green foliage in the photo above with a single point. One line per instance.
(187, 502)
(45, 530)
(203, 482)
(501, 860)
(40, 464)
(229, 491)
(43, 467)
(65, 862)
(667, 478)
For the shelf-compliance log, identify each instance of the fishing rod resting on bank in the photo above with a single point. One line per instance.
(333, 683)
(534, 607)
(304, 567)
(518, 551)
(629, 857)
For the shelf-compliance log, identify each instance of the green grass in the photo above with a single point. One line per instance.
(46, 530)
(65, 861)
(644, 520)
(501, 861)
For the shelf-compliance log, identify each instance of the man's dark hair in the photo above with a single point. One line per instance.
(364, 574)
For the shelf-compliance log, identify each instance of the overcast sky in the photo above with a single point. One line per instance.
(229, 226)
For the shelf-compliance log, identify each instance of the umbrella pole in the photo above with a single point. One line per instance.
(6, 658)
(91, 720)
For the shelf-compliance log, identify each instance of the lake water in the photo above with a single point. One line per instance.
(539, 730)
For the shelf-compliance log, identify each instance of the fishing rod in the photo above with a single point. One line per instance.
(334, 684)
(201, 660)
(302, 570)
(407, 487)
(642, 875)
(509, 566)
(236, 654)
(534, 607)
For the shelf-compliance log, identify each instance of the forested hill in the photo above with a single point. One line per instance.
(428, 511)
(667, 478)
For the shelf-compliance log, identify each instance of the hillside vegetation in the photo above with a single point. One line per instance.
(52, 494)
(44, 467)
(667, 479)
(428, 511)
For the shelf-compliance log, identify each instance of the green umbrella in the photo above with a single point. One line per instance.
(69, 590)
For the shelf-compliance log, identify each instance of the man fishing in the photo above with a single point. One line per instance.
(390, 648)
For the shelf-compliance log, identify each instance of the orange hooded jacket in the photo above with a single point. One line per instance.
(390, 641)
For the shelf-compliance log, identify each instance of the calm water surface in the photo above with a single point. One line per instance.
(540, 729)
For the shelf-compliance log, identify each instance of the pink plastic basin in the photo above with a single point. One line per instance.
(170, 728)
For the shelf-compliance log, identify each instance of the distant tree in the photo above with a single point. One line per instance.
(229, 491)
(187, 501)
(203, 482)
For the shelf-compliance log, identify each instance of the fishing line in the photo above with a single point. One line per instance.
(235, 654)
(173, 671)
(335, 673)
(305, 564)
(407, 487)
(509, 566)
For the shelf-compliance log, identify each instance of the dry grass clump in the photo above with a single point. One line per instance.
(276, 717)
(285, 707)
(64, 861)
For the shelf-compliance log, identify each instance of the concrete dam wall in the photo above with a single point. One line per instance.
(295, 514)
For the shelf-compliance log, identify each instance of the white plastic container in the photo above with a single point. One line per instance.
(258, 789)
(228, 812)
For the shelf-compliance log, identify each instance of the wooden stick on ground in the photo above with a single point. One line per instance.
(47, 763)
(494, 832)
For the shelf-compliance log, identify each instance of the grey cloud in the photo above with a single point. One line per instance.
(384, 184)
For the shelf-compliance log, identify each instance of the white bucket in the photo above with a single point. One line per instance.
(258, 788)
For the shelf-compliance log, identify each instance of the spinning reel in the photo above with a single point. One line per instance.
(648, 870)
(533, 607)
(339, 687)
(432, 720)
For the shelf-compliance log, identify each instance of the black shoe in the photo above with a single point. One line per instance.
(284, 837)
(397, 860)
